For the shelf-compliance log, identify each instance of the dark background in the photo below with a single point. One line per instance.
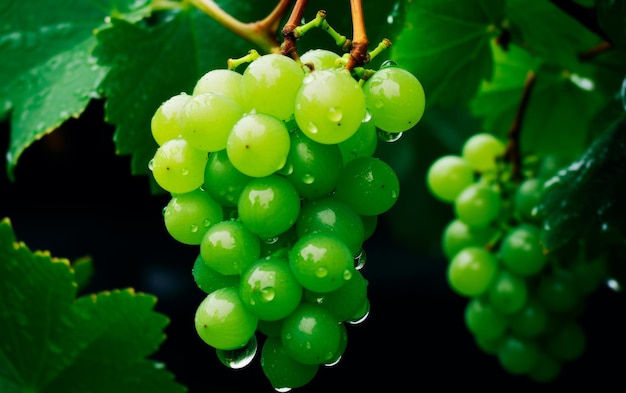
(74, 196)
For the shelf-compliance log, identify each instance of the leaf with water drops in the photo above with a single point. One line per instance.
(48, 74)
(583, 200)
(54, 342)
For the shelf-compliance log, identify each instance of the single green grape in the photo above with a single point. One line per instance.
(343, 303)
(207, 119)
(269, 85)
(281, 369)
(329, 106)
(178, 167)
(559, 292)
(482, 150)
(258, 144)
(362, 144)
(527, 197)
(269, 206)
(165, 121)
(187, 216)
(478, 205)
(225, 81)
(369, 185)
(568, 343)
(521, 250)
(508, 293)
(311, 335)
(471, 271)
(269, 290)
(448, 176)
(333, 216)
(320, 59)
(531, 320)
(312, 167)
(229, 247)
(518, 356)
(395, 99)
(457, 235)
(483, 320)
(222, 180)
(208, 279)
(321, 262)
(223, 322)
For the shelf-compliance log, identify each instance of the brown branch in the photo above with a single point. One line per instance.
(358, 53)
(288, 47)
(595, 51)
(513, 148)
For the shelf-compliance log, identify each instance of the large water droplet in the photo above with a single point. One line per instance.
(359, 260)
(321, 272)
(268, 294)
(365, 312)
(151, 165)
(614, 285)
(333, 363)
(241, 357)
(389, 137)
(308, 178)
(388, 63)
(367, 117)
(335, 115)
(283, 390)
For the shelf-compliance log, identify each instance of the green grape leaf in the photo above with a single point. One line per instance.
(47, 74)
(550, 124)
(548, 32)
(583, 201)
(612, 19)
(445, 44)
(54, 342)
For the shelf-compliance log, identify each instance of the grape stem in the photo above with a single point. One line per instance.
(262, 33)
(358, 54)
(595, 51)
(288, 47)
(512, 153)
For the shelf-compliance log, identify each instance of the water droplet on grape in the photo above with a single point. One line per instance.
(312, 128)
(335, 115)
(194, 228)
(271, 240)
(252, 301)
(184, 171)
(164, 211)
(283, 390)
(307, 178)
(389, 137)
(288, 336)
(240, 357)
(333, 363)
(379, 104)
(367, 117)
(394, 194)
(158, 365)
(347, 274)
(321, 272)
(360, 319)
(359, 260)
(268, 294)
(206, 223)
(151, 165)
(388, 63)
(614, 285)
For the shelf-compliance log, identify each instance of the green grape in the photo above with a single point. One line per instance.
(164, 123)
(283, 371)
(229, 247)
(362, 144)
(321, 59)
(187, 216)
(223, 322)
(395, 99)
(521, 250)
(547, 369)
(457, 235)
(222, 180)
(478, 205)
(448, 176)
(329, 106)
(208, 280)
(531, 320)
(558, 292)
(518, 356)
(369, 185)
(311, 335)
(269, 85)
(567, 343)
(227, 82)
(343, 303)
(471, 271)
(489, 345)
(321, 262)
(483, 320)
(312, 167)
(508, 293)
(178, 167)
(482, 150)
(268, 206)
(269, 290)
(258, 145)
(333, 216)
(527, 197)
(207, 119)
(343, 344)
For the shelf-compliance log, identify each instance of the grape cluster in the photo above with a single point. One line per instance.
(272, 173)
(523, 302)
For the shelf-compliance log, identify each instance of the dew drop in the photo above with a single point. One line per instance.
(333, 363)
(614, 285)
(184, 171)
(283, 390)
(359, 260)
(335, 115)
(321, 272)
(252, 301)
(240, 357)
(365, 312)
(288, 336)
(194, 228)
(394, 194)
(158, 365)
(347, 274)
(312, 128)
(206, 223)
(389, 137)
(271, 240)
(388, 63)
(367, 117)
(151, 165)
(308, 178)
(379, 104)
(268, 294)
